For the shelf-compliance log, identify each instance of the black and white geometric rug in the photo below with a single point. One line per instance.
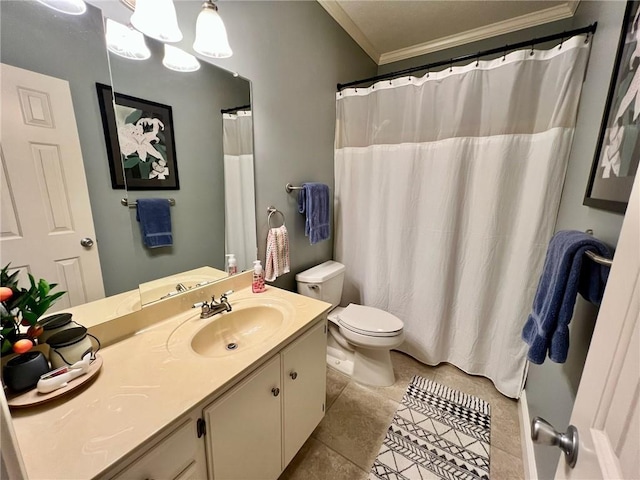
(436, 433)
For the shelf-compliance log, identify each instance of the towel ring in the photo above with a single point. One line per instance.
(271, 211)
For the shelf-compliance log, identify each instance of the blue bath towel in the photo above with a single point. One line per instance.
(313, 200)
(566, 272)
(154, 215)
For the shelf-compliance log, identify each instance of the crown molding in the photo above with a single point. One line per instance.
(540, 17)
(339, 15)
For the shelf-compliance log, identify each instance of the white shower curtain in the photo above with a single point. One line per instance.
(239, 188)
(447, 191)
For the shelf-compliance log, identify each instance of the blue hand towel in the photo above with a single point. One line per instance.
(313, 200)
(566, 272)
(154, 215)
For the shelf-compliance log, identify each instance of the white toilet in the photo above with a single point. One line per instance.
(360, 338)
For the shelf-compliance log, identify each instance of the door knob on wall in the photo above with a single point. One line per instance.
(542, 432)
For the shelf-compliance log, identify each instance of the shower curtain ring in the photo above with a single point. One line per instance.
(478, 59)
(531, 52)
(451, 65)
(561, 41)
(504, 54)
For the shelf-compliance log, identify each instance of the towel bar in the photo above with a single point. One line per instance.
(598, 259)
(290, 188)
(126, 203)
(594, 256)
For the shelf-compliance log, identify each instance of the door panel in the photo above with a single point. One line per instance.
(45, 199)
(608, 399)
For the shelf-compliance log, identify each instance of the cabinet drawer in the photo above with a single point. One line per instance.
(176, 457)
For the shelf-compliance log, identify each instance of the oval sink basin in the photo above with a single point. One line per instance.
(237, 330)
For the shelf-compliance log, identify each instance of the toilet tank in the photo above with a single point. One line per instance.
(323, 282)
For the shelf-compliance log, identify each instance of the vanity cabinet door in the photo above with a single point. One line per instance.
(304, 373)
(179, 456)
(244, 434)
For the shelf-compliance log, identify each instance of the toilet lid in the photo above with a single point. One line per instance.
(370, 321)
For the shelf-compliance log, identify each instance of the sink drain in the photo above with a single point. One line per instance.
(232, 346)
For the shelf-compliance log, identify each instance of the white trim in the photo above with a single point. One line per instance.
(12, 462)
(528, 455)
(573, 6)
(339, 15)
(533, 19)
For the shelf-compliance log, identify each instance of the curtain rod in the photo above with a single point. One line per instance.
(529, 43)
(235, 109)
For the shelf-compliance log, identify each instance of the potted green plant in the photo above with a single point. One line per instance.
(20, 309)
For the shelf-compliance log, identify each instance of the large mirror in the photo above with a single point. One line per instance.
(197, 101)
(72, 48)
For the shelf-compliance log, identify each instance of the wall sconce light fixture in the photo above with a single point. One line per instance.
(211, 34)
(157, 19)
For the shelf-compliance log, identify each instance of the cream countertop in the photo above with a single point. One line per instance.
(149, 379)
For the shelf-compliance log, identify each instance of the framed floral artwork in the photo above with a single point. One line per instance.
(618, 149)
(140, 141)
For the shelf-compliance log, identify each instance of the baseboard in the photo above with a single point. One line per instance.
(528, 456)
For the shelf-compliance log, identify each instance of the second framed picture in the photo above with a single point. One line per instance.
(140, 142)
(618, 150)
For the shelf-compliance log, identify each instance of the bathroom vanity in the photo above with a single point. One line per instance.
(173, 401)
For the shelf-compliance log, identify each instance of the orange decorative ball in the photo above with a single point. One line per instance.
(22, 346)
(5, 293)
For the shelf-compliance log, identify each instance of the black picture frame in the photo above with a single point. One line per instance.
(150, 162)
(618, 144)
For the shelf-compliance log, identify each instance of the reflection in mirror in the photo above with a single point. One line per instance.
(198, 221)
(239, 195)
(72, 48)
(52, 162)
(175, 284)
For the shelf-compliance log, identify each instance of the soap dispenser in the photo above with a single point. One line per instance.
(257, 284)
(232, 267)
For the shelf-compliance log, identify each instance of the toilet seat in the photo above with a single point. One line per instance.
(369, 321)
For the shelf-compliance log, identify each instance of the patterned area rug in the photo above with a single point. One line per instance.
(436, 433)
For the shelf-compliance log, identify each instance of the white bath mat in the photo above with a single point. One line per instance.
(436, 433)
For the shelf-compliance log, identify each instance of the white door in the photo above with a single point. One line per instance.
(45, 201)
(607, 408)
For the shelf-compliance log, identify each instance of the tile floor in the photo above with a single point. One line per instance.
(345, 444)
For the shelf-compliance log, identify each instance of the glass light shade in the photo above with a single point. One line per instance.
(157, 19)
(126, 42)
(179, 60)
(211, 36)
(71, 7)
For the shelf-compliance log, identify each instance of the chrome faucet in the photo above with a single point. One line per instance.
(213, 308)
(181, 288)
